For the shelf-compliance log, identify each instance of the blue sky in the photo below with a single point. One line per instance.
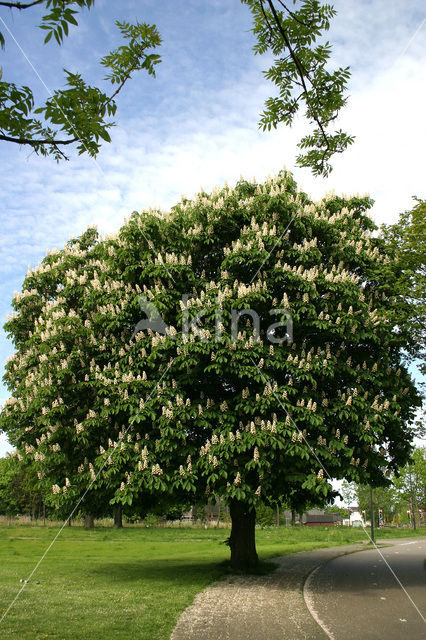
(196, 123)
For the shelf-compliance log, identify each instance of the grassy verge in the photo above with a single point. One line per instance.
(125, 584)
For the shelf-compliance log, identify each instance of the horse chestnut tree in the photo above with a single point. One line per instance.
(267, 360)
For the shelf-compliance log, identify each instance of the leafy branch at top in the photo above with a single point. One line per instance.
(299, 71)
(80, 112)
(57, 21)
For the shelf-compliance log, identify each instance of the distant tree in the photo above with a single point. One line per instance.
(80, 114)
(10, 501)
(335, 509)
(406, 241)
(348, 493)
(412, 480)
(265, 515)
(384, 498)
(19, 490)
(405, 483)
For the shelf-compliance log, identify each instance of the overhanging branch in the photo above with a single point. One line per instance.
(20, 5)
(302, 72)
(33, 143)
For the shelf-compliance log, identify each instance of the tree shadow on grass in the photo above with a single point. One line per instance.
(173, 570)
(164, 570)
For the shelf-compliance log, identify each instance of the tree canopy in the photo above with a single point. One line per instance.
(225, 397)
(80, 114)
(406, 240)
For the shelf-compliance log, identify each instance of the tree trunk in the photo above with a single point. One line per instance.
(118, 516)
(218, 514)
(293, 517)
(89, 522)
(242, 539)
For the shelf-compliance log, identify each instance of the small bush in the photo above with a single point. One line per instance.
(265, 516)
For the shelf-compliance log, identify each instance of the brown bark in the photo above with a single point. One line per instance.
(218, 514)
(89, 521)
(118, 516)
(242, 539)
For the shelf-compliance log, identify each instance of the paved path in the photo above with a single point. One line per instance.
(357, 596)
(258, 607)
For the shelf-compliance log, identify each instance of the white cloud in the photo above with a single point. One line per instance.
(5, 446)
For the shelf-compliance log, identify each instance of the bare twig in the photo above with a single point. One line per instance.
(20, 5)
(34, 142)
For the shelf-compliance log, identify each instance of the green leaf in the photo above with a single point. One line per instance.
(105, 135)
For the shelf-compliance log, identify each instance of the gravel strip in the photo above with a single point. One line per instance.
(267, 607)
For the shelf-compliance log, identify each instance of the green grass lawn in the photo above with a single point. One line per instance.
(128, 584)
